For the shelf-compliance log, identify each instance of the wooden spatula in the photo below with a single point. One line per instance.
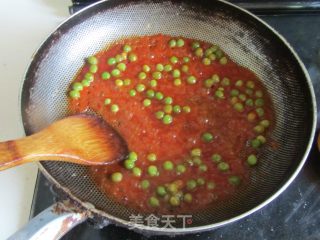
(82, 139)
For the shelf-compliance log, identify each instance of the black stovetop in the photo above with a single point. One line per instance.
(295, 214)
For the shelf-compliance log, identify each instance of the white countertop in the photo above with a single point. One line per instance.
(24, 25)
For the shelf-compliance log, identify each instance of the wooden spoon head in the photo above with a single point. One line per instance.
(89, 140)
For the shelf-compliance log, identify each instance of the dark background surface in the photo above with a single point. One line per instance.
(295, 214)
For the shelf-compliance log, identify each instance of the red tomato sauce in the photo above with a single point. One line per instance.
(231, 131)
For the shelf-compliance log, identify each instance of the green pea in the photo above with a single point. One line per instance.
(181, 168)
(197, 161)
(214, 48)
(262, 139)
(223, 60)
(140, 87)
(249, 102)
(219, 94)
(92, 60)
(186, 59)
(159, 95)
(74, 94)
(153, 171)
(77, 86)
(136, 172)
(146, 68)
(201, 181)
(177, 82)
(105, 75)
(251, 117)
(212, 57)
(195, 45)
(153, 83)
(265, 123)
(172, 188)
(239, 83)
(85, 82)
(157, 75)
(196, 152)
(154, 202)
(234, 180)
(252, 160)
(207, 52)
(260, 112)
(198, 52)
(223, 166)
(133, 57)
(216, 158)
(207, 137)
(187, 198)
(119, 58)
(116, 177)
(203, 168)
(211, 185)
(89, 76)
(127, 48)
(145, 184)
(118, 82)
(249, 92)
(146, 102)
(219, 53)
(159, 114)
(150, 93)
(176, 73)
(107, 101)
(168, 100)
(259, 94)
(225, 82)
(161, 191)
(234, 92)
(115, 72)
(114, 108)
(132, 93)
(250, 84)
(176, 109)
(185, 68)
(191, 184)
(93, 68)
(174, 60)
(186, 109)
(127, 82)
(180, 42)
(168, 68)
(191, 79)
(167, 119)
(174, 201)
(168, 165)
(159, 67)
(142, 75)
(129, 164)
(206, 61)
(112, 61)
(172, 43)
(259, 102)
(259, 129)
(168, 108)
(152, 157)
(238, 107)
(122, 66)
(255, 143)
(242, 97)
(133, 156)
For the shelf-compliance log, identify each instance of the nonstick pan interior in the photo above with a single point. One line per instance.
(243, 37)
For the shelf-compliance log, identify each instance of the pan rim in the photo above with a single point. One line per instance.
(177, 231)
